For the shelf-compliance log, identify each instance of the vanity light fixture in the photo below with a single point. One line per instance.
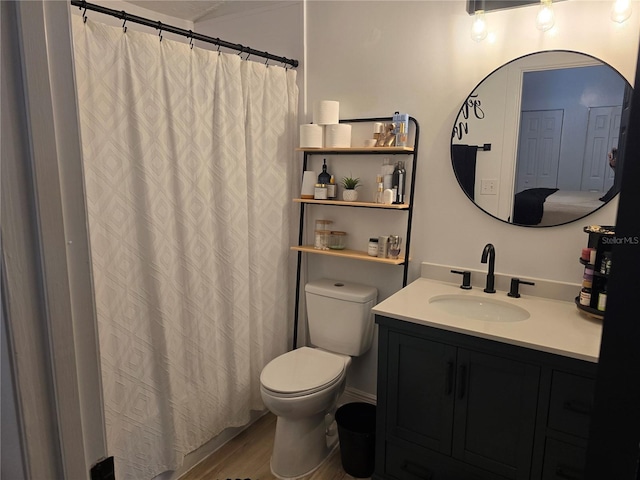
(545, 18)
(479, 26)
(621, 10)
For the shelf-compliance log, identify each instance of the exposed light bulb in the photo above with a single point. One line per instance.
(545, 18)
(621, 10)
(479, 26)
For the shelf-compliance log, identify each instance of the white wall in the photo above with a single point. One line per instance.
(276, 27)
(130, 8)
(418, 57)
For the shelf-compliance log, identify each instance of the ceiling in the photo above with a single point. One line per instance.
(199, 10)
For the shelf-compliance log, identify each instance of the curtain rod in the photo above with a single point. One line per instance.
(163, 27)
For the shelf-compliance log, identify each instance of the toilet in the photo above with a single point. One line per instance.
(301, 387)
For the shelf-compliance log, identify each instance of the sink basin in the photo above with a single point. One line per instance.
(479, 308)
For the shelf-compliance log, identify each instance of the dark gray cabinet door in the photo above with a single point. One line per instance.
(495, 413)
(421, 391)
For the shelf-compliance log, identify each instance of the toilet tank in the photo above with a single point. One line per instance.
(339, 315)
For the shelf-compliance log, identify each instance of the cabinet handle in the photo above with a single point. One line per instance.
(577, 406)
(449, 380)
(416, 470)
(462, 390)
(568, 473)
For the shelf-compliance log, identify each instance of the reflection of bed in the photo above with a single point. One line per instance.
(550, 206)
(565, 206)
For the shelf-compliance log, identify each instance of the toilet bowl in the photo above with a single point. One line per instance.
(302, 387)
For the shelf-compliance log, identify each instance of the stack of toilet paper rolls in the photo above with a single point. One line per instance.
(326, 130)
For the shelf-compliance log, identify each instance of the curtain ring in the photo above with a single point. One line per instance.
(218, 43)
(191, 39)
(84, 15)
(124, 16)
(266, 64)
(241, 51)
(160, 30)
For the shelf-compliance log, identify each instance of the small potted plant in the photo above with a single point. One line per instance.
(350, 194)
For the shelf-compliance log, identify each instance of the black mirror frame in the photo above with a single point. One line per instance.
(626, 107)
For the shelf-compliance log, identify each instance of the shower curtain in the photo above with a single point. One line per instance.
(188, 164)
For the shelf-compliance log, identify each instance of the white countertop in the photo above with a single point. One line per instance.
(554, 326)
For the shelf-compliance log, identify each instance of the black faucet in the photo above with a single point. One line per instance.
(490, 252)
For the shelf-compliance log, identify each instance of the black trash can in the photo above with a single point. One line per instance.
(357, 435)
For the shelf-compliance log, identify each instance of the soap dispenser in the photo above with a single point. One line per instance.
(324, 177)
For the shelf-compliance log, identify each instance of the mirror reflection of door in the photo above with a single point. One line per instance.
(569, 118)
(539, 149)
(602, 135)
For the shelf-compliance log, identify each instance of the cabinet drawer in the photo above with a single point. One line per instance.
(563, 461)
(571, 403)
(417, 463)
(402, 464)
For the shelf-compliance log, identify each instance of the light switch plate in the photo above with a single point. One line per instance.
(488, 186)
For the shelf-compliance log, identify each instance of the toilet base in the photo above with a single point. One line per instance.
(301, 446)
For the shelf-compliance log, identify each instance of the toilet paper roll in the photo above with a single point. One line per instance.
(378, 127)
(337, 136)
(311, 136)
(326, 112)
(309, 178)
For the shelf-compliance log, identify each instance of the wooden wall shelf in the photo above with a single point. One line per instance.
(411, 152)
(354, 254)
(398, 206)
(355, 150)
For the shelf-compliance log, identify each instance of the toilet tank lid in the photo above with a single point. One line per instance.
(351, 292)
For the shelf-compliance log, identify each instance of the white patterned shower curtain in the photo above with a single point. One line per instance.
(188, 165)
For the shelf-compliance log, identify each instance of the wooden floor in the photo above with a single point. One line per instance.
(246, 457)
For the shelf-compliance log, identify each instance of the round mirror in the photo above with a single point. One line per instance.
(539, 142)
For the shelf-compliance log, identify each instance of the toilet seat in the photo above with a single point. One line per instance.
(302, 372)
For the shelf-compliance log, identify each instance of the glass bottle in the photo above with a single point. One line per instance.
(401, 138)
(602, 299)
(379, 198)
(585, 296)
(398, 182)
(332, 188)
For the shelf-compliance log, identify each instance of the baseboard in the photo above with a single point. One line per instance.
(354, 395)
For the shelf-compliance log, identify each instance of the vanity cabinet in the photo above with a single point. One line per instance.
(457, 407)
(566, 428)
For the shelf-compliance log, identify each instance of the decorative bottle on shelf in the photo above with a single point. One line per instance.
(602, 299)
(398, 182)
(332, 188)
(324, 177)
(379, 194)
(585, 296)
(402, 121)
